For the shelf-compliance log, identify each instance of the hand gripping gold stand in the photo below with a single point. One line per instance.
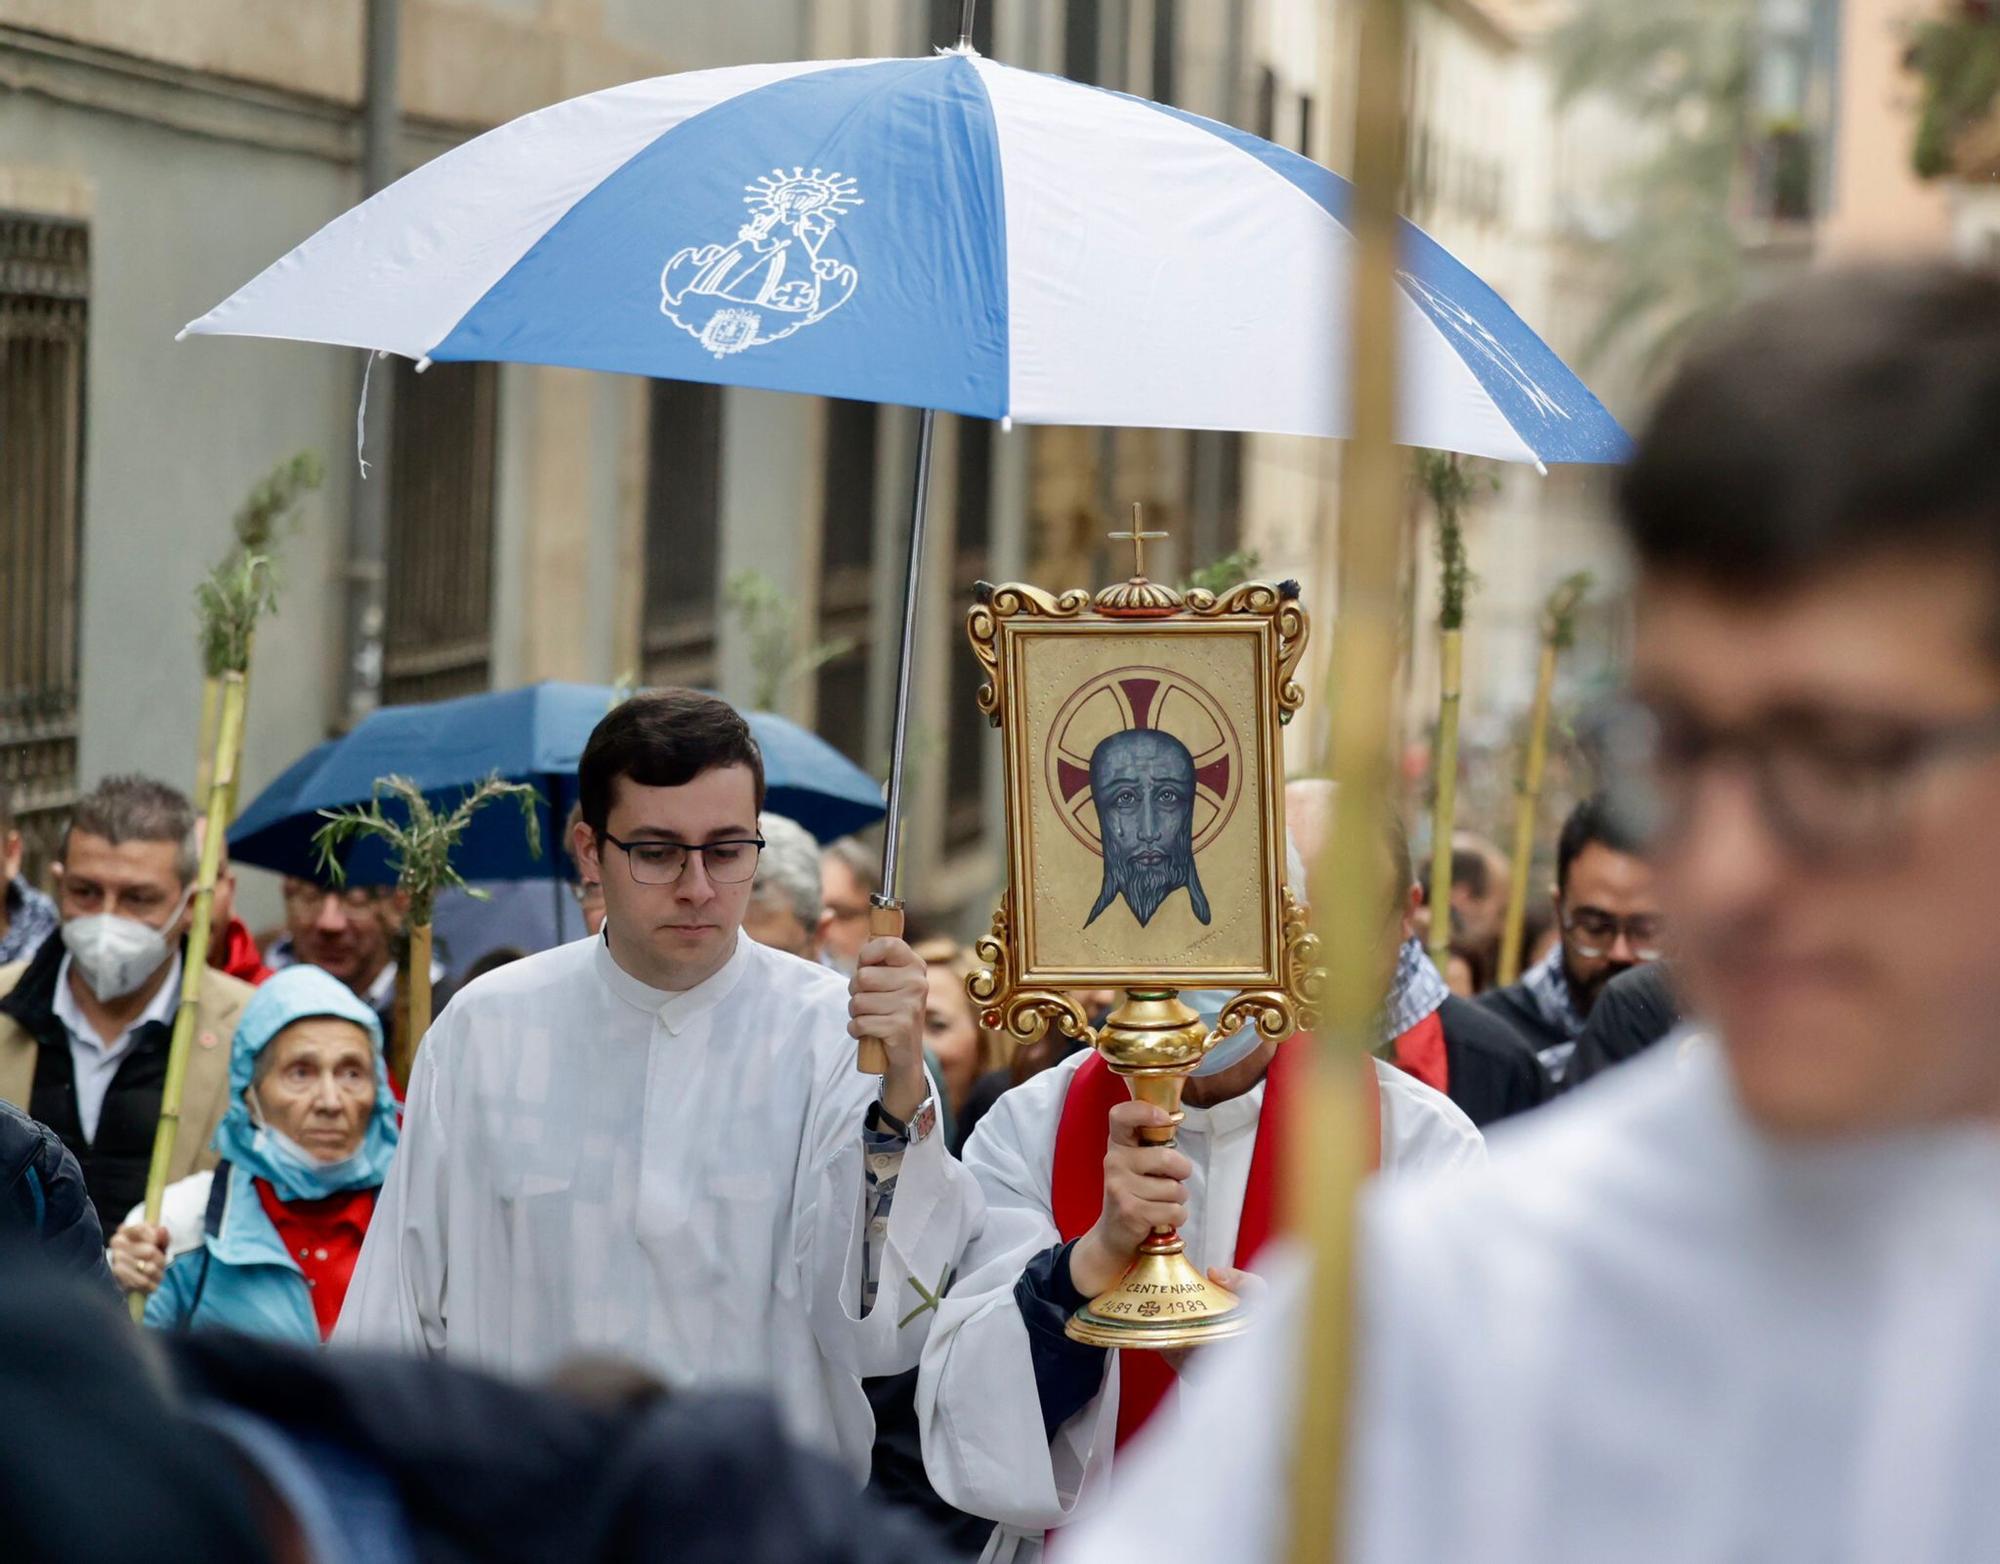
(1144, 783)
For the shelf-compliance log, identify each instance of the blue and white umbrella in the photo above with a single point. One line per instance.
(946, 233)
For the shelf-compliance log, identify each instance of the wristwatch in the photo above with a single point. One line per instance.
(917, 1130)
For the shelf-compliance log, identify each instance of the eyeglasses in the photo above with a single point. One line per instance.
(662, 863)
(355, 898)
(1594, 932)
(1826, 783)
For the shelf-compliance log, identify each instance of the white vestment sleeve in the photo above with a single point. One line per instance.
(984, 1445)
(936, 1210)
(397, 1296)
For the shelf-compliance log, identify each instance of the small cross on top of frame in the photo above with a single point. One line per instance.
(1138, 538)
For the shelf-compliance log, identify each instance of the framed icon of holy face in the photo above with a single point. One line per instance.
(1143, 785)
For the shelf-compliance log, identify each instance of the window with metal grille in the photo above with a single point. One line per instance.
(683, 533)
(438, 636)
(966, 816)
(44, 321)
(847, 574)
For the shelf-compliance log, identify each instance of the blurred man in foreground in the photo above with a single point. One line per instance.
(1735, 1300)
(1607, 917)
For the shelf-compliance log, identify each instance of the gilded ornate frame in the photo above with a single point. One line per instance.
(1280, 993)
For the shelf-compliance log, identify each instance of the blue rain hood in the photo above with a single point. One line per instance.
(296, 994)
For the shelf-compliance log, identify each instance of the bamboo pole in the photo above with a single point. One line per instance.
(211, 713)
(1444, 479)
(194, 963)
(417, 986)
(1327, 1166)
(1451, 653)
(1558, 631)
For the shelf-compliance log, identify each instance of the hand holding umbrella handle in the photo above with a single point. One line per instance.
(885, 921)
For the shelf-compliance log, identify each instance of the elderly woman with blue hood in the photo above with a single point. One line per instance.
(267, 1242)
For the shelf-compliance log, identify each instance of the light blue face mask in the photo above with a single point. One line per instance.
(1233, 1049)
(296, 1173)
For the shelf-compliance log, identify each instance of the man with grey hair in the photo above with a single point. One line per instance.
(785, 911)
(85, 1023)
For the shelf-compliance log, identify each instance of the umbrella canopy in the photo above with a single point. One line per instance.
(533, 735)
(946, 233)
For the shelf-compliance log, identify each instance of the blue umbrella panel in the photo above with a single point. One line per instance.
(534, 735)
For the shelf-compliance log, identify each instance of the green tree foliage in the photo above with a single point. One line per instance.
(420, 839)
(1683, 70)
(1229, 571)
(777, 660)
(1957, 57)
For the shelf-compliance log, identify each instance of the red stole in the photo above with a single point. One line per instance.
(1078, 1188)
(1420, 1052)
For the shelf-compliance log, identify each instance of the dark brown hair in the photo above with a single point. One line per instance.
(1852, 412)
(137, 809)
(663, 739)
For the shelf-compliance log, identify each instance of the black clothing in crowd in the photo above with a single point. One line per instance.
(43, 1204)
(1491, 1072)
(1635, 1011)
(1515, 1006)
(115, 1163)
(246, 1449)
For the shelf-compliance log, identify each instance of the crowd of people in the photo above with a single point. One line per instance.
(1723, 1300)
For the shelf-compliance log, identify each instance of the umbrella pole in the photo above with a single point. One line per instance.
(885, 907)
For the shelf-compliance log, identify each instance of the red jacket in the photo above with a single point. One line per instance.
(236, 953)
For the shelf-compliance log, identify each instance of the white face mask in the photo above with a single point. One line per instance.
(301, 1174)
(117, 954)
(1231, 1050)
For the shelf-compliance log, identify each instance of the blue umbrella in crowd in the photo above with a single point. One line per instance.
(944, 233)
(533, 735)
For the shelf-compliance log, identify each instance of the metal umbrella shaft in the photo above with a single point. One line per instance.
(885, 911)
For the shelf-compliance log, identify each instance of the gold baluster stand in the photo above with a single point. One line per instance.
(1154, 1041)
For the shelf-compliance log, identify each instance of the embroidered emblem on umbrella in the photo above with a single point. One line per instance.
(778, 277)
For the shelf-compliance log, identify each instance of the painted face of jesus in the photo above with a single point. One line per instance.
(1142, 784)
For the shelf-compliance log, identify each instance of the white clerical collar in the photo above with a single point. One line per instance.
(1240, 1112)
(674, 1010)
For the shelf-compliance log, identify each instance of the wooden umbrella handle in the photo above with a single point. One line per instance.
(885, 921)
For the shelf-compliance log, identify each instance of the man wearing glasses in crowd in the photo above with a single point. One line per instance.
(1608, 922)
(655, 1143)
(1736, 1301)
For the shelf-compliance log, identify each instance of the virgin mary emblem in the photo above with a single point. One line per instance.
(777, 278)
(1143, 766)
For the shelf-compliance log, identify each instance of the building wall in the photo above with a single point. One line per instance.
(202, 138)
(1879, 206)
(177, 433)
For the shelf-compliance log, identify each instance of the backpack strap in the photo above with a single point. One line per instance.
(211, 1227)
(218, 1202)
